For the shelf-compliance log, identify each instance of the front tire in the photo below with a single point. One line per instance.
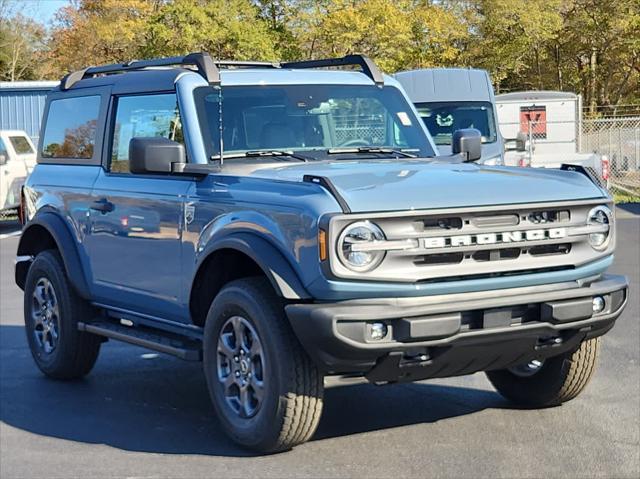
(52, 310)
(265, 389)
(559, 379)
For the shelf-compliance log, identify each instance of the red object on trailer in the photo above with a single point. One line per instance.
(606, 167)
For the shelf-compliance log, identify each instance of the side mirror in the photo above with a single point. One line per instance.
(3, 159)
(468, 142)
(521, 141)
(154, 155)
(518, 143)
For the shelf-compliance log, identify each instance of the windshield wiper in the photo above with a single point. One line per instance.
(260, 153)
(371, 149)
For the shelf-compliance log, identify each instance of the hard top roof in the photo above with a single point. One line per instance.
(446, 84)
(163, 79)
(162, 73)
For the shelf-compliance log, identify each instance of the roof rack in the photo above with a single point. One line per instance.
(201, 60)
(210, 69)
(369, 68)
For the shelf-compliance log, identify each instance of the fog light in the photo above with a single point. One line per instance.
(598, 304)
(377, 331)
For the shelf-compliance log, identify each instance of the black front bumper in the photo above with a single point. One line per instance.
(456, 334)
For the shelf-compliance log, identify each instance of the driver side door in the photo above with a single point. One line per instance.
(136, 219)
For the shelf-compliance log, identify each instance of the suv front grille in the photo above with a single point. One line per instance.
(480, 242)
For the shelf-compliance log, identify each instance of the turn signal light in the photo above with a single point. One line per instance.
(322, 244)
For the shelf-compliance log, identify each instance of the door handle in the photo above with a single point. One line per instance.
(102, 205)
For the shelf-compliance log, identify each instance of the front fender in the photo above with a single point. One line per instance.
(276, 268)
(34, 239)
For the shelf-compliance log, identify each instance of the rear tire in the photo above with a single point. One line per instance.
(559, 379)
(266, 391)
(52, 310)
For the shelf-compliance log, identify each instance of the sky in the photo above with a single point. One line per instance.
(40, 10)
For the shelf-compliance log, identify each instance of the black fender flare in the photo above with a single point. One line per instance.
(65, 243)
(276, 268)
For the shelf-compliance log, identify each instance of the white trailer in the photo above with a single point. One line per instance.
(548, 127)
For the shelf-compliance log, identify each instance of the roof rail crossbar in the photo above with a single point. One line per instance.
(201, 60)
(245, 64)
(369, 68)
(209, 68)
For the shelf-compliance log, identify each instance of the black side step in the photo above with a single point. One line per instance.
(161, 341)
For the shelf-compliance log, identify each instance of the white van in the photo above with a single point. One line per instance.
(17, 159)
(450, 99)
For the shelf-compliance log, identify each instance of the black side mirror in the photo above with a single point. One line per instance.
(154, 155)
(3, 158)
(468, 142)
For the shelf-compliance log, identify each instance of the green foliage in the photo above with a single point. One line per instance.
(229, 29)
(512, 36)
(591, 47)
(621, 197)
(20, 41)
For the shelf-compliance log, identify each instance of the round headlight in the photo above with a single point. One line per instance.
(600, 216)
(352, 246)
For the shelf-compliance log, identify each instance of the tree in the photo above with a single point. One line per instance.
(228, 29)
(511, 40)
(439, 35)
(21, 40)
(93, 32)
(280, 15)
(600, 50)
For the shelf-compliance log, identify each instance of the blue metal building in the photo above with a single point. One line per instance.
(22, 104)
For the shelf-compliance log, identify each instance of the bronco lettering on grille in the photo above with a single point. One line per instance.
(493, 238)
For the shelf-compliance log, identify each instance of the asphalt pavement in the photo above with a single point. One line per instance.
(145, 415)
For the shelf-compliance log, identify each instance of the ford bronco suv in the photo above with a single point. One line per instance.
(282, 222)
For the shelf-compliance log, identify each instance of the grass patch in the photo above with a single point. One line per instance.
(620, 196)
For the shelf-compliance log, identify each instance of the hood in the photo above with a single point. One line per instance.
(394, 185)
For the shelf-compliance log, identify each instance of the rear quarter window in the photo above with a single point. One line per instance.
(70, 130)
(21, 145)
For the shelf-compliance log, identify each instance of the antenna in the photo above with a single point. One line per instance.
(220, 124)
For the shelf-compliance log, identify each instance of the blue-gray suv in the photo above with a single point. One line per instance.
(282, 222)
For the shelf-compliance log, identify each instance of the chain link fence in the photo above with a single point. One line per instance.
(608, 147)
(371, 129)
(618, 140)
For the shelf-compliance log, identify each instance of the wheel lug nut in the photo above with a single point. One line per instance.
(237, 374)
(236, 359)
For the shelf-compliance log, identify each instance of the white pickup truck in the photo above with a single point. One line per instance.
(17, 159)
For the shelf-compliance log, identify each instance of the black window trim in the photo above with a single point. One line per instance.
(104, 93)
(111, 123)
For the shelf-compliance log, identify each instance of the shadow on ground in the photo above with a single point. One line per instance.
(633, 208)
(9, 225)
(161, 405)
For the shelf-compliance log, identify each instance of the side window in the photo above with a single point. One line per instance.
(70, 130)
(4, 156)
(20, 145)
(143, 116)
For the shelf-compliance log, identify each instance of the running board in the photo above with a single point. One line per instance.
(163, 342)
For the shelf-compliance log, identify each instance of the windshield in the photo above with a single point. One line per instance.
(443, 118)
(309, 118)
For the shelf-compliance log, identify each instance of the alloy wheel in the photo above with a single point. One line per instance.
(241, 366)
(45, 313)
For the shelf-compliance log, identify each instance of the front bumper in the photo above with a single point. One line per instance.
(455, 334)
